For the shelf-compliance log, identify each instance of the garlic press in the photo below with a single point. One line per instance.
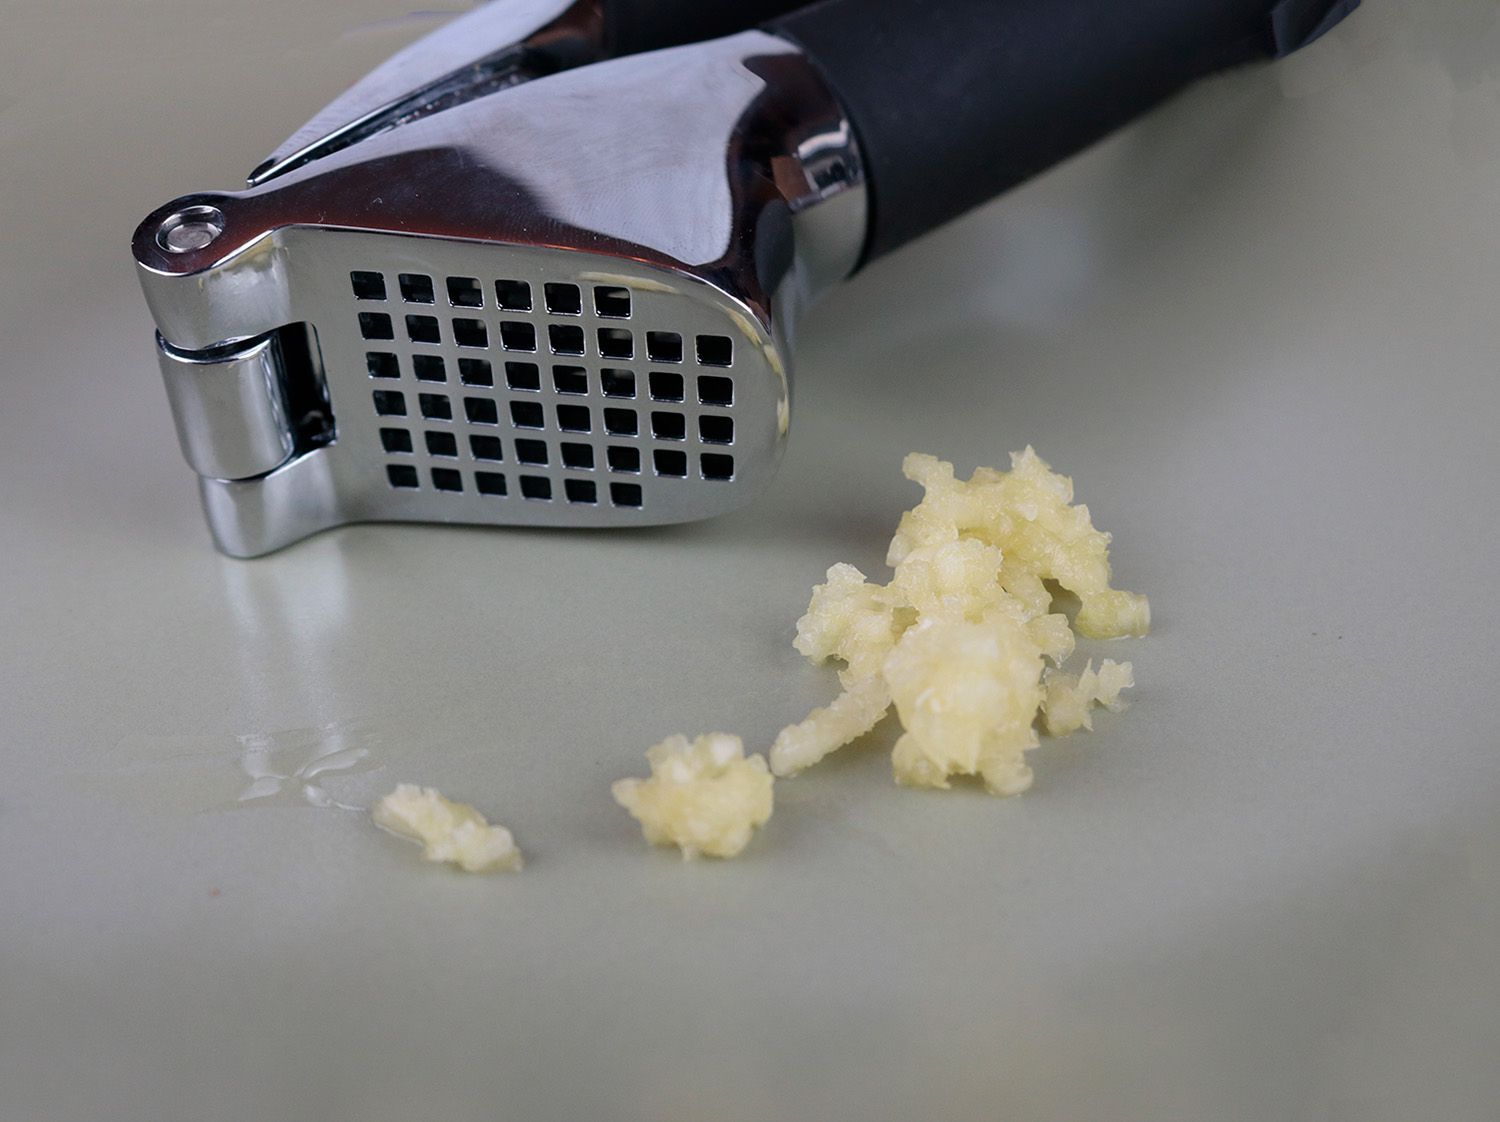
(545, 266)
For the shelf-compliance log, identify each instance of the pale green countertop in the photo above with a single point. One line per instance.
(1261, 330)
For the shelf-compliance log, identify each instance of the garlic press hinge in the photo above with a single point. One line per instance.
(245, 409)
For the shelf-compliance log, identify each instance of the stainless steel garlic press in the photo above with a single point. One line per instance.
(544, 268)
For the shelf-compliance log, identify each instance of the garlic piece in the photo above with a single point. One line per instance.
(1068, 698)
(853, 713)
(703, 796)
(448, 831)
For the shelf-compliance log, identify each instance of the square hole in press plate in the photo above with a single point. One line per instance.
(570, 379)
(668, 461)
(423, 329)
(471, 333)
(526, 414)
(617, 383)
(416, 288)
(715, 350)
(435, 406)
(464, 292)
(517, 336)
(390, 403)
(621, 458)
(382, 365)
(616, 342)
(442, 444)
(475, 372)
(669, 426)
(625, 494)
(513, 295)
(611, 301)
(621, 422)
(536, 487)
(376, 325)
(485, 447)
(714, 429)
(574, 418)
(579, 457)
(563, 299)
(395, 440)
(489, 483)
(481, 411)
(429, 368)
(565, 338)
(714, 389)
(666, 386)
(367, 286)
(717, 466)
(580, 490)
(401, 475)
(663, 346)
(447, 479)
(523, 376)
(532, 452)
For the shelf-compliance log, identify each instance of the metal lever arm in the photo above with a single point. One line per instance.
(502, 44)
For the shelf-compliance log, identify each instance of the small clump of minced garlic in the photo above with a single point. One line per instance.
(703, 796)
(448, 831)
(964, 640)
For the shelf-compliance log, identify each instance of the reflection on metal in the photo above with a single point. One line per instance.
(683, 206)
(495, 46)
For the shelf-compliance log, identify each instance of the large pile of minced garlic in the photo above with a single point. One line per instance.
(964, 639)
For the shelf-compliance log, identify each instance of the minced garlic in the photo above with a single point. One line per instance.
(853, 713)
(448, 831)
(1068, 698)
(851, 620)
(1027, 513)
(703, 796)
(960, 638)
(967, 694)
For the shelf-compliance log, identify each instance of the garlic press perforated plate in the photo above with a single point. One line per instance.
(544, 267)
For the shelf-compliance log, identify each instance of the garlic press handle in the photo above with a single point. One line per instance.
(954, 101)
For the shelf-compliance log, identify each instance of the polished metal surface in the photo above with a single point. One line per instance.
(228, 408)
(498, 44)
(709, 192)
(497, 419)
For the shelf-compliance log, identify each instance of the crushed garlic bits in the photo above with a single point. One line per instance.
(703, 796)
(448, 831)
(961, 638)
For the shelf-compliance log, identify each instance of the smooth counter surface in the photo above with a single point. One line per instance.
(1260, 329)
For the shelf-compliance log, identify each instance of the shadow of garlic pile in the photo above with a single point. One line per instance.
(963, 640)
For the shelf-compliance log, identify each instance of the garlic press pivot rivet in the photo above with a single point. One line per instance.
(189, 230)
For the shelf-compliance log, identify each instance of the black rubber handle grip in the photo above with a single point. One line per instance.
(631, 26)
(954, 101)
